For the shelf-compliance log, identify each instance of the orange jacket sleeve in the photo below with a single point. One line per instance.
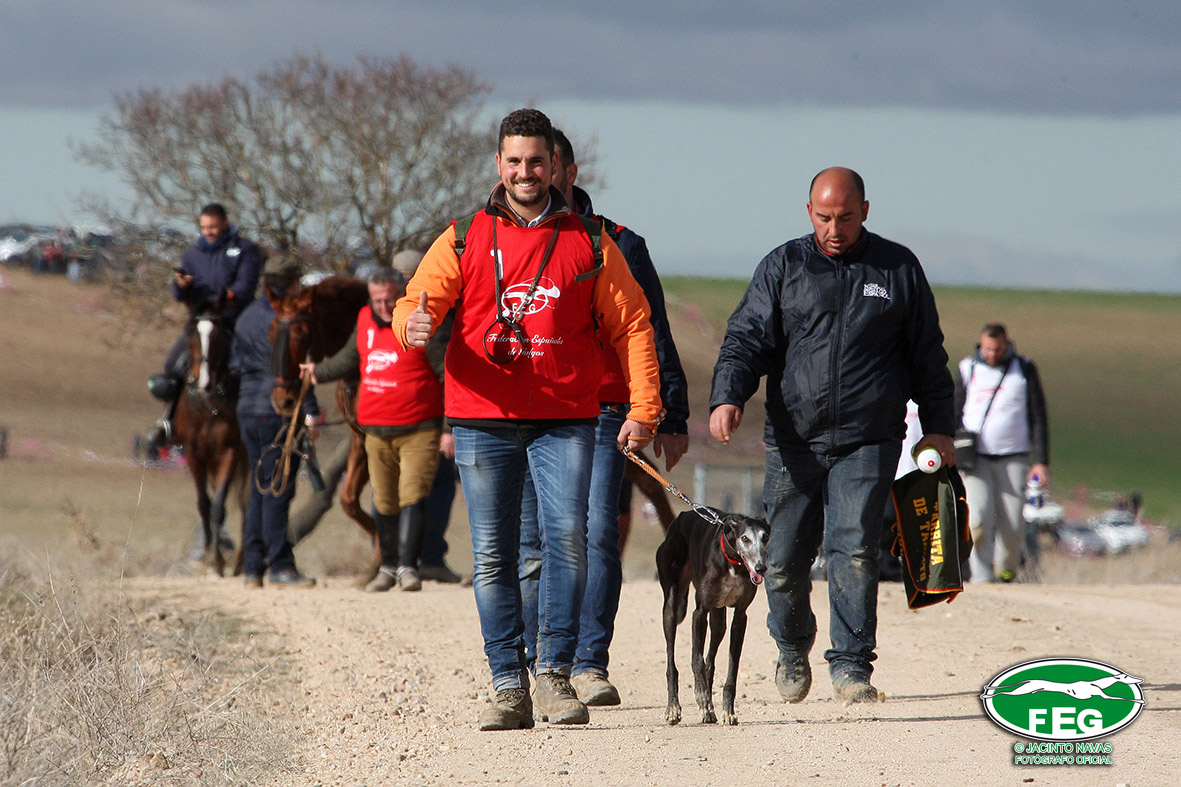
(623, 311)
(439, 276)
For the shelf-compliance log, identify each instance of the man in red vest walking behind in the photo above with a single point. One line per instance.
(400, 410)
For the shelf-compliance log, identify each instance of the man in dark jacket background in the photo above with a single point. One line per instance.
(843, 325)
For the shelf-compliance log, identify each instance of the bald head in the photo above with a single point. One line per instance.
(837, 208)
(838, 177)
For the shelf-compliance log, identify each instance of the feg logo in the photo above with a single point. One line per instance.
(1063, 699)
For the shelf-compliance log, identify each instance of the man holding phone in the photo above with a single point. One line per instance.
(221, 269)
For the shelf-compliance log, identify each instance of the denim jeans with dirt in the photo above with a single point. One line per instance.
(836, 500)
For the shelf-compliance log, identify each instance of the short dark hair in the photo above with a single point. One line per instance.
(281, 279)
(214, 209)
(565, 149)
(995, 330)
(527, 123)
(384, 275)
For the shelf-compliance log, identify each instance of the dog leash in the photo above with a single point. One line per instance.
(705, 512)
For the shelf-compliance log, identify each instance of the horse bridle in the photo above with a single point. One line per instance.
(281, 347)
(207, 399)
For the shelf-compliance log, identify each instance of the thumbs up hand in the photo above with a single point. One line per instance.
(419, 325)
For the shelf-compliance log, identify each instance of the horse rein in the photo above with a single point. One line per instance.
(705, 512)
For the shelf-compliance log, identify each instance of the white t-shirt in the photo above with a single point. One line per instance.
(1005, 429)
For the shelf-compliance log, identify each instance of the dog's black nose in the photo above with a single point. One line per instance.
(761, 568)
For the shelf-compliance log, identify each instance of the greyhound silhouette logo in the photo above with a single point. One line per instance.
(544, 296)
(1063, 699)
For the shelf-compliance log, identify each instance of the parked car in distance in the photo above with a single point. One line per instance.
(1079, 539)
(1120, 529)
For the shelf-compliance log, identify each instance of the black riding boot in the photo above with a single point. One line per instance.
(411, 526)
(387, 540)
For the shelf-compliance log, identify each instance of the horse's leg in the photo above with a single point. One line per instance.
(350, 501)
(241, 488)
(227, 462)
(200, 472)
(304, 521)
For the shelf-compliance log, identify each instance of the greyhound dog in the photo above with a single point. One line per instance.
(725, 562)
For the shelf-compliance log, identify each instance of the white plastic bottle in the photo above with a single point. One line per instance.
(928, 460)
(1035, 493)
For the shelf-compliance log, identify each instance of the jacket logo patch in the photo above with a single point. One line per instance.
(544, 297)
(380, 359)
(875, 291)
(233, 251)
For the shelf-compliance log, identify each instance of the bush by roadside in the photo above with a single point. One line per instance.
(97, 687)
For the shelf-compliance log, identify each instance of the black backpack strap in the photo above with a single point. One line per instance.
(611, 228)
(461, 228)
(595, 230)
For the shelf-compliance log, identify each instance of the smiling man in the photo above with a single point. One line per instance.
(523, 370)
(843, 325)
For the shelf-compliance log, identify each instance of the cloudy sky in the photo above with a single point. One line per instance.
(1009, 143)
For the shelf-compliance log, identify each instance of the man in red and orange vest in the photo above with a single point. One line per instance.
(523, 370)
(400, 410)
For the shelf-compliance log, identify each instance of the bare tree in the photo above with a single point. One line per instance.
(307, 152)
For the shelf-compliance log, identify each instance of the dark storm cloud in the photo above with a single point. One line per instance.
(1051, 57)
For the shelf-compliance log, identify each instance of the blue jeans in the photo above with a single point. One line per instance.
(264, 537)
(604, 572)
(493, 463)
(438, 513)
(839, 500)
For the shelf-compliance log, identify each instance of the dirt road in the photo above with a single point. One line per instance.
(386, 689)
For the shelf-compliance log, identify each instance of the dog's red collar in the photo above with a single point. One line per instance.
(725, 554)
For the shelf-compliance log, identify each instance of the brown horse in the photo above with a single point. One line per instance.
(207, 427)
(312, 324)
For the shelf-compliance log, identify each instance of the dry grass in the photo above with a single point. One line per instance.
(98, 687)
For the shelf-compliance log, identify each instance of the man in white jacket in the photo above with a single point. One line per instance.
(999, 397)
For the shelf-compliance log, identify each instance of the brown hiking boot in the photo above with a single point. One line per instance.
(855, 688)
(555, 701)
(511, 710)
(595, 689)
(793, 678)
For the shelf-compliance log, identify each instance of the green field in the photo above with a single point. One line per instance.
(1110, 363)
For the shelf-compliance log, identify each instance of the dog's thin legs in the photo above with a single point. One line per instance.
(702, 671)
(673, 713)
(737, 635)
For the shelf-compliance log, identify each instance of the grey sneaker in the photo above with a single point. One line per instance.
(408, 579)
(440, 573)
(851, 687)
(793, 678)
(555, 701)
(511, 710)
(595, 689)
(386, 578)
(291, 579)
